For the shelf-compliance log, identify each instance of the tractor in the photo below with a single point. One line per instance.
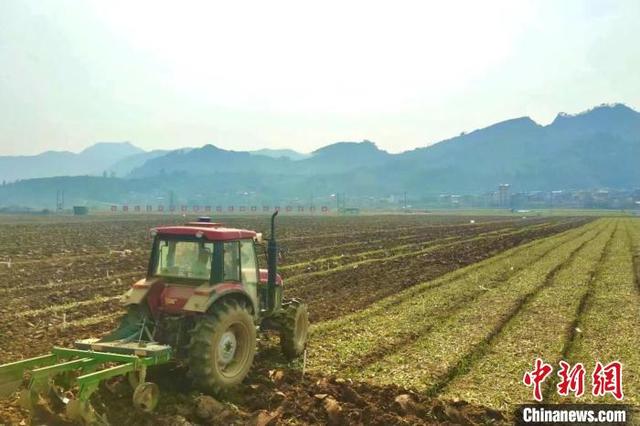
(202, 302)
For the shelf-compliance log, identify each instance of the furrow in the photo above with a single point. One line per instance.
(467, 362)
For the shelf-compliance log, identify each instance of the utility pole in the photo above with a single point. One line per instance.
(59, 201)
(341, 201)
(171, 200)
(405, 201)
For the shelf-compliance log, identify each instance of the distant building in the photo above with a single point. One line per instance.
(503, 195)
(80, 210)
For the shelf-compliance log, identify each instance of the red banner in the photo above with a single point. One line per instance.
(160, 208)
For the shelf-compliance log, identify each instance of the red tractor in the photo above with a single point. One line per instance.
(205, 296)
(202, 302)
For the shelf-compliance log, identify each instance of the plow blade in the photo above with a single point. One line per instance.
(11, 375)
(68, 377)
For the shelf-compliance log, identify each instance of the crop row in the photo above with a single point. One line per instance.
(472, 334)
(349, 288)
(355, 342)
(609, 318)
(413, 243)
(353, 241)
(541, 328)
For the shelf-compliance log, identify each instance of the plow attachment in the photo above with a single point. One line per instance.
(66, 378)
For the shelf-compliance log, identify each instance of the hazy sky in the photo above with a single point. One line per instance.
(247, 75)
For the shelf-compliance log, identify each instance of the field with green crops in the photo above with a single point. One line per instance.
(472, 334)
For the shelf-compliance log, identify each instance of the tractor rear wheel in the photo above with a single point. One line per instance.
(294, 329)
(222, 347)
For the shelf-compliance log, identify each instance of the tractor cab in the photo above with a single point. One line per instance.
(195, 264)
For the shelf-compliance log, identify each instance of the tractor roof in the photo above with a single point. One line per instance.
(212, 232)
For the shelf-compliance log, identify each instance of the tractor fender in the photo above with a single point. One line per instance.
(137, 292)
(206, 295)
(145, 291)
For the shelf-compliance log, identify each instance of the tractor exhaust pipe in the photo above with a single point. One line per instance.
(272, 263)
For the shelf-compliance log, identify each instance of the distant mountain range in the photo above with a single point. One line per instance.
(278, 153)
(94, 160)
(110, 158)
(599, 148)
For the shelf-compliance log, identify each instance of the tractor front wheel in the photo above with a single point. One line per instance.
(222, 347)
(294, 329)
